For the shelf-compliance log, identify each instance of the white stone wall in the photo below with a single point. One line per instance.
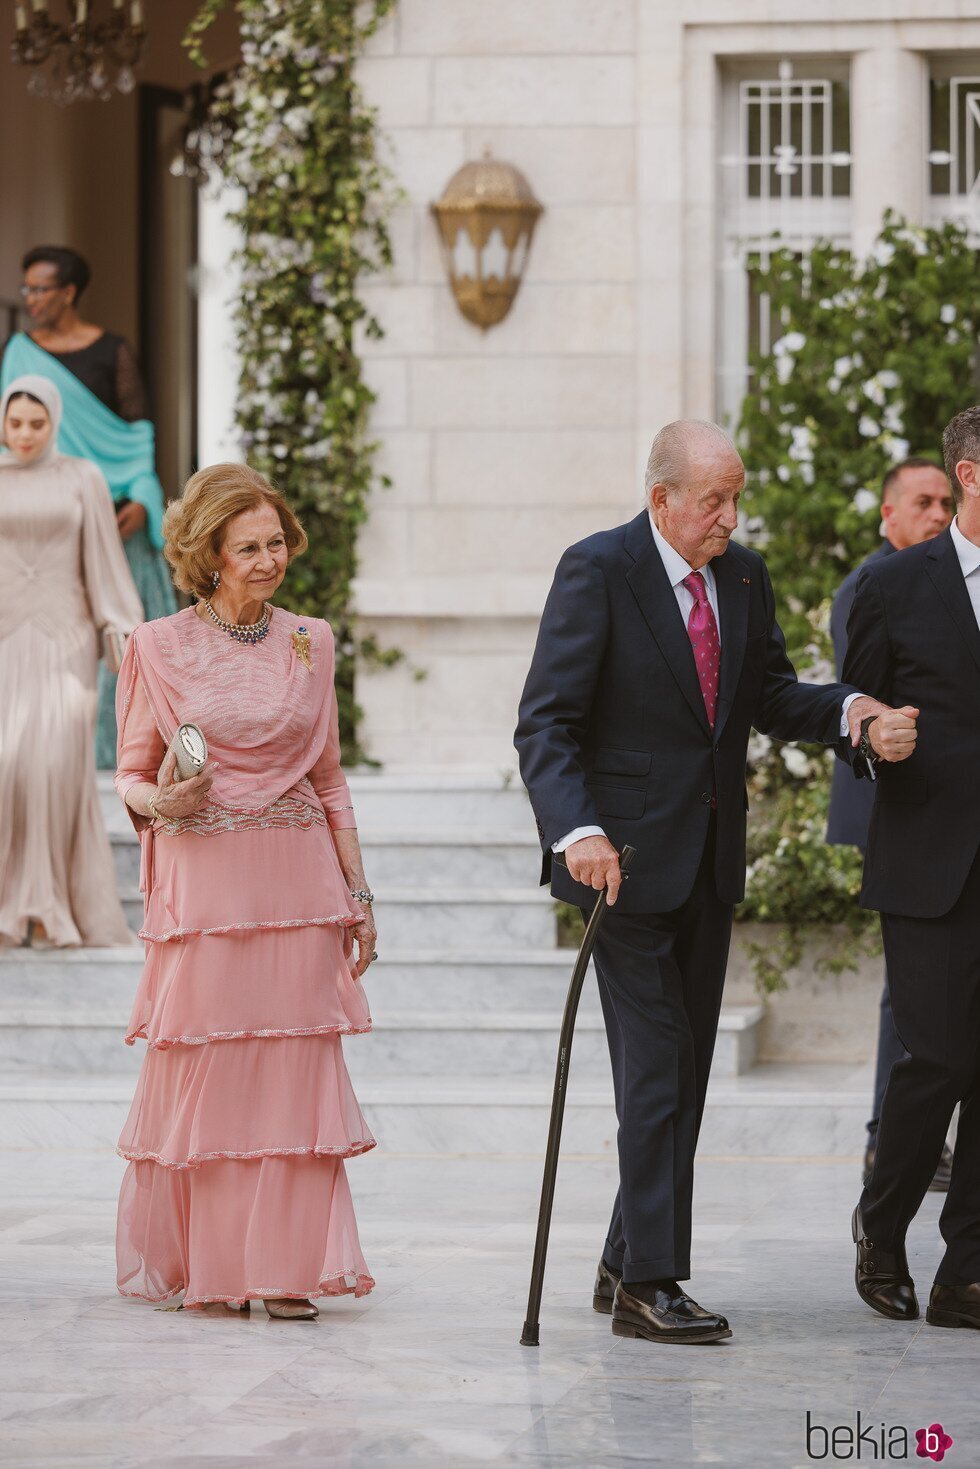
(507, 446)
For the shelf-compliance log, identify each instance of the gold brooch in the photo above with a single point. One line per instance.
(301, 642)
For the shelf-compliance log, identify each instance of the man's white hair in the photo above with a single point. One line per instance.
(670, 453)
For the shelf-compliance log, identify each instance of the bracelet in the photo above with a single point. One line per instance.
(154, 812)
(363, 895)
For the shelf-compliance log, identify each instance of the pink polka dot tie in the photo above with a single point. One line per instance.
(702, 629)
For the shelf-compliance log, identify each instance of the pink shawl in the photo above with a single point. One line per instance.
(266, 715)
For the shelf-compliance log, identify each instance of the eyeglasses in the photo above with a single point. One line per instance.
(28, 291)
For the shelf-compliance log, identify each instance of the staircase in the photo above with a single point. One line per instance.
(467, 997)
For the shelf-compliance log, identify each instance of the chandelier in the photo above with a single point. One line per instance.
(81, 57)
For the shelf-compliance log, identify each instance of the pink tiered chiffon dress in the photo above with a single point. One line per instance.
(244, 1111)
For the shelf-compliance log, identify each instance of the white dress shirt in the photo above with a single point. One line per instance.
(677, 569)
(969, 557)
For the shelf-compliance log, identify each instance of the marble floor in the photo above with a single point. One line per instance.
(428, 1371)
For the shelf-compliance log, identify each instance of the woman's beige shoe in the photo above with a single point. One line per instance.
(287, 1308)
(221, 1308)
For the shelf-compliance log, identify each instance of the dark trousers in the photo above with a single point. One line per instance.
(890, 1050)
(934, 979)
(661, 977)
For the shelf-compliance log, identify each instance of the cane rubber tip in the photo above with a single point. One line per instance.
(529, 1336)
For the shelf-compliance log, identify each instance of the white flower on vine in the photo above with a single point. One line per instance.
(873, 389)
(807, 472)
(784, 368)
(947, 314)
(888, 378)
(892, 418)
(843, 366)
(867, 427)
(791, 342)
(864, 501)
(783, 473)
(897, 449)
(884, 252)
(801, 449)
(759, 747)
(298, 119)
(795, 761)
(833, 384)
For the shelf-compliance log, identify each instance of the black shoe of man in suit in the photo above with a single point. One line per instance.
(882, 1276)
(658, 1310)
(954, 1305)
(606, 1281)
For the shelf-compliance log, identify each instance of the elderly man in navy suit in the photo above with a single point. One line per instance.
(916, 504)
(658, 651)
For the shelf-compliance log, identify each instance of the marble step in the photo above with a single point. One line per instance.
(458, 801)
(521, 1045)
(422, 857)
(408, 917)
(774, 1111)
(436, 980)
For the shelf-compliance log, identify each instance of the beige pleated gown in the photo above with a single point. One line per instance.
(64, 582)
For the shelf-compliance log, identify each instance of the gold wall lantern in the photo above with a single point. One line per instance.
(486, 220)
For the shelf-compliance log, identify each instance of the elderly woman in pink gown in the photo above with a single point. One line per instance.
(255, 895)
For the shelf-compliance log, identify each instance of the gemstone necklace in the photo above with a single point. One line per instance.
(242, 632)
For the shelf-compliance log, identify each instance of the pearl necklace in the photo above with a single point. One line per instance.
(242, 632)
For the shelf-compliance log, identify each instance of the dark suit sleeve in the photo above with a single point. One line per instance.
(840, 611)
(788, 709)
(869, 660)
(558, 696)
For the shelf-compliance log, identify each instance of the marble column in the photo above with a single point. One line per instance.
(889, 128)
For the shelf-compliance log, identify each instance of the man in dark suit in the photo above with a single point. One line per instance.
(916, 504)
(914, 637)
(658, 650)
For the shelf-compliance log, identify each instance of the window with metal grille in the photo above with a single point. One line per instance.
(954, 140)
(785, 181)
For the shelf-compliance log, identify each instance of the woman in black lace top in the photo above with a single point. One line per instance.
(105, 421)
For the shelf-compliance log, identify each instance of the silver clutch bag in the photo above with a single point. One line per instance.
(191, 749)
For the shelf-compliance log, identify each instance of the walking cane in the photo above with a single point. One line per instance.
(529, 1336)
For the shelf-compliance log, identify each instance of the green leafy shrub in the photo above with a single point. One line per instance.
(874, 357)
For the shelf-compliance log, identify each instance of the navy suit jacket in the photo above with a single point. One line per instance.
(612, 729)
(850, 800)
(913, 638)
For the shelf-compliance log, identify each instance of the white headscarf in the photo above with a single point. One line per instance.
(46, 393)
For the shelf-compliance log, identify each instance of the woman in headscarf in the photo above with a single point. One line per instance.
(64, 589)
(105, 420)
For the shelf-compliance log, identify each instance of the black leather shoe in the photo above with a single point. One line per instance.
(660, 1311)
(606, 1281)
(942, 1175)
(882, 1277)
(954, 1305)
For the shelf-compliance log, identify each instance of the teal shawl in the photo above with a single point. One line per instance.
(89, 430)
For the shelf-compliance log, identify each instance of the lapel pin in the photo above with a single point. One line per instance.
(746, 582)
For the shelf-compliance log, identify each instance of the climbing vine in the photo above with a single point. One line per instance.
(314, 203)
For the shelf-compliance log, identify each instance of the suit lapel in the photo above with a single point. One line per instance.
(946, 573)
(733, 606)
(655, 597)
